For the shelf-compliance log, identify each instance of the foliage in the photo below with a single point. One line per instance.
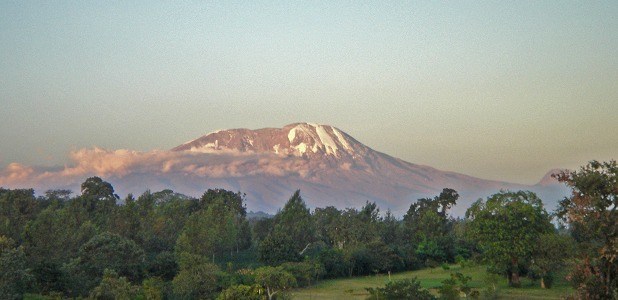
(153, 288)
(592, 211)
(507, 226)
(160, 245)
(17, 207)
(550, 253)
(427, 226)
(113, 287)
(234, 202)
(241, 291)
(274, 280)
(111, 251)
(14, 274)
(197, 278)
(305, 272)
(209, 232)
(458, 283)
(400, 289)
(334, 263)
(278, 248)
(292, 233)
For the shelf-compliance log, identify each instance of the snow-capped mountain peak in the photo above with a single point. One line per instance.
(299, 139)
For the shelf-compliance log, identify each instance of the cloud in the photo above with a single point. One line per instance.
(15, 172)
(122, 163)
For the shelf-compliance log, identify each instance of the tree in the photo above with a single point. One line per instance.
(327, 225)
(427, 229)
(197, 278)
(304, 272)
(96, 203)
(106, 251)
(400, 289)
(292, 232)
(209, 232)
(51, 240)
(113, 287)
(549, 254)
(17, 207)
(14, 274)
(241, 291)
(234, 202)
(163, 223)
(334, 263)
(278, 248)
(592, 209)
(126, 220)
(507, 226)
(274, 280)
(96, 189)
(295, 219)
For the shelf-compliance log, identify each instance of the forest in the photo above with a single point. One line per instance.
(166, 245)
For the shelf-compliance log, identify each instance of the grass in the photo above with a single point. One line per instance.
(354, 288)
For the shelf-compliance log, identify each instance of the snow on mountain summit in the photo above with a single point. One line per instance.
(299, 139)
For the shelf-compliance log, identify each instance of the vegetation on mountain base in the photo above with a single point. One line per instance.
(165, 245)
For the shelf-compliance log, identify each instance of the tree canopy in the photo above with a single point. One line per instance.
(507, 227)
(592, 212)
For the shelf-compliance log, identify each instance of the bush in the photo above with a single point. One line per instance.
(305, 272)
(242, 291)
(400, 289)
(457, 284)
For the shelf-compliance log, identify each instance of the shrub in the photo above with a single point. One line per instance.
(400, 289)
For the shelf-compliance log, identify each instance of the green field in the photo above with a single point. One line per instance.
(354, 288)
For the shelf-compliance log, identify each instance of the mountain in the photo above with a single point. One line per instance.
(329, 167)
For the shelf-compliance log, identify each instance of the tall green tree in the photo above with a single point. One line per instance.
(51, 240)
(507, 226)
(105, 251)
(17, 208)
(427, 229)
(97, 202)
(327, 223)
(292, 233)
(209, 232)
(15, 276)
(592, 210)
(235, 203)
(197, 278)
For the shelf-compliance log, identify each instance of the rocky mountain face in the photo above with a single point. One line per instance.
(330, 168)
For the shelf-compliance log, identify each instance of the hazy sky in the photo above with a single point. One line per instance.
(503, 90)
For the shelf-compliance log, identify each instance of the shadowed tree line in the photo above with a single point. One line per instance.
(165, 245)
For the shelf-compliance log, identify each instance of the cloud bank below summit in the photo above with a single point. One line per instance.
(123, 162)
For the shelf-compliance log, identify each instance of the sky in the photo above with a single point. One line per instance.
(503, 90)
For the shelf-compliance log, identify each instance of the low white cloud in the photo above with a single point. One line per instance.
(121, 163)
(15, 172)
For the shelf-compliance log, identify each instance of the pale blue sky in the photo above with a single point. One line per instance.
(502, 90)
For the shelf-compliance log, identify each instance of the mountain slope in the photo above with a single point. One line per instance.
(330, 167)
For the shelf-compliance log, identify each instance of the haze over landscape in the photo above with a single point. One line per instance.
(499, 91)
